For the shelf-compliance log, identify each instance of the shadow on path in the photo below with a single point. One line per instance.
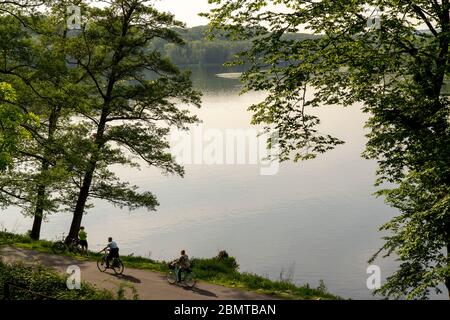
(127, 278)
(201, 292)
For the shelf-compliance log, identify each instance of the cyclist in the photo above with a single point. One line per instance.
(183, 264)
(113, 251)
(82, 236)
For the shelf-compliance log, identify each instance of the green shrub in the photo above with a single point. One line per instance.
(222, 255)
(215, 265)
(37, 282)
(11, 238)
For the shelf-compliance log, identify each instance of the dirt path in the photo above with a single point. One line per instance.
(149, 285)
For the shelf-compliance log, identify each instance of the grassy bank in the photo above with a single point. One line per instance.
(218, 270)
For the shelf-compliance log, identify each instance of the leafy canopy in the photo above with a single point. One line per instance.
(397, 69)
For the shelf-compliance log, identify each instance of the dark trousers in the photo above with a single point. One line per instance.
(83, 244)
(113, 253)
(179, 270)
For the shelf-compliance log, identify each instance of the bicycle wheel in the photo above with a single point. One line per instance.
(171, 277)
(59, 247)
(118, 266)
(189, 280)
(101, 265)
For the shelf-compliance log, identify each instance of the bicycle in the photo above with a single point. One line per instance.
(116, 264)
(187, 277)
(61, 246)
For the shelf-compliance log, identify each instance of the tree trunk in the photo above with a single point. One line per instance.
(81, 203)
(100, 142)
(38, 215)
(36, 230)
(39, 210)
(87, 180)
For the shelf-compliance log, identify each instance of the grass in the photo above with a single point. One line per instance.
(222, 270)
(30, 283)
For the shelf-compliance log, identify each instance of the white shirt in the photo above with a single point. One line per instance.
(112, 245)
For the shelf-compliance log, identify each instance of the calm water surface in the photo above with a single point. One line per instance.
(313, 220)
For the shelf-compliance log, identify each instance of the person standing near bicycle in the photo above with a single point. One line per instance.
(113, 251)
(182, 264)
(82, 236)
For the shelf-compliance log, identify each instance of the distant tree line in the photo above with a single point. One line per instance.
(199, 49)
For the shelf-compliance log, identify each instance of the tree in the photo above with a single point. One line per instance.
(396, 64)
(10, 117)
(134, 95)
(34, 62)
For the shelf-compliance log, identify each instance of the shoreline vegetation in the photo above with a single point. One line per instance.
(200, 49)
(221, 270)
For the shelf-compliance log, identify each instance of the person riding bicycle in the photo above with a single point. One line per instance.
(82, 236)
(113, 251)
(183, 264)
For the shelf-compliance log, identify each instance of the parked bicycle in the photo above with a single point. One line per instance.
(61, 246)
(187, 277)
(116, 264)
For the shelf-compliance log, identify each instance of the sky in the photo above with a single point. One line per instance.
(185, 10)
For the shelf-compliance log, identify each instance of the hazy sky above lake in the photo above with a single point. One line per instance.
(188, 11)
(185, 10)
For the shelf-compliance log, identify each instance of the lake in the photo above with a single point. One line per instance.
(312, 220)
